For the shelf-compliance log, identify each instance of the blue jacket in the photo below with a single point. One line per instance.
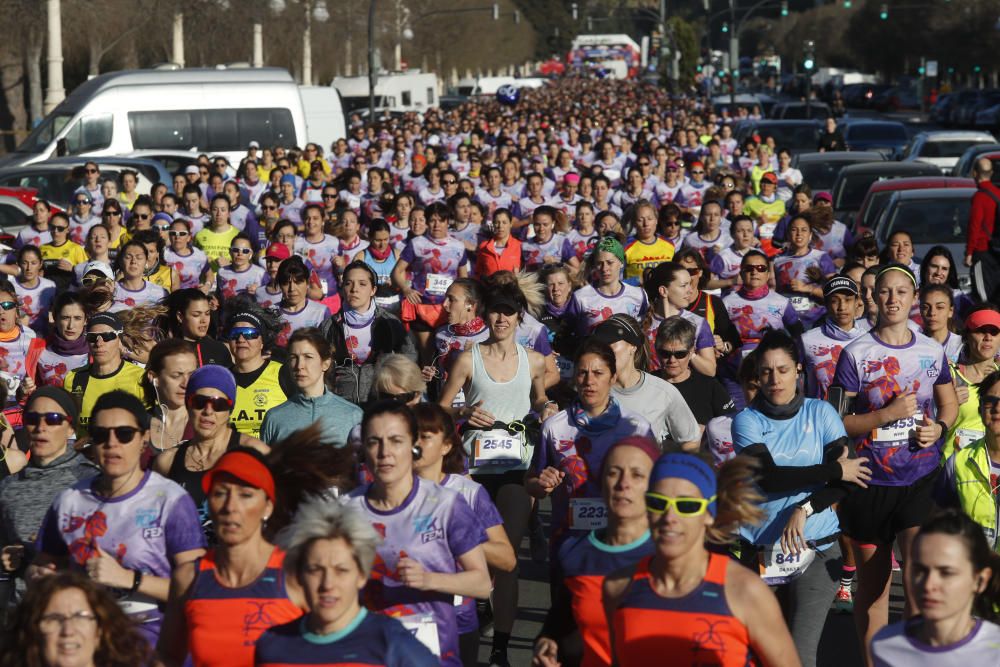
(336, 416)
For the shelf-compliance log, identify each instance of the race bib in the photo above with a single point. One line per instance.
(565, 366)
(766, 230)
(779, 567)
(423, 627)
(801, 304)
(587, 514)
(12, 381)
(438, 283)
(898, 431)
(966, 436)
(387, 301)
(324, 285)
(498, 447)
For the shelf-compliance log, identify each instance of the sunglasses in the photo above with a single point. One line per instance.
(142, 216)
(329, 196)
(269, 208)
(59, 229)
(94, 280)
(405, 397)
(200, 402)
(450, 182)
(106, 336)
(696, 173)
(658, 504)
(92, 171)
(51, 418)
(123, 434)
(8, 305)
(248, 333)
(164, 227)
(694, 272)
(108, 214)
(676, 354)
(755, 268)
(240, 251)
(82, 202)
(178, 233)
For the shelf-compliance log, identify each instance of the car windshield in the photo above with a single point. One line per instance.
(821, 175)
(947, 148)
(44, 134)
(876, 132)
(931, 220)
(875, 206)
(801, 138)
(853, 190)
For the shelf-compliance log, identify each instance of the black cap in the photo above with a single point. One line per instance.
(614, 329)
(107, 318)
(60, 396)
(841, 284)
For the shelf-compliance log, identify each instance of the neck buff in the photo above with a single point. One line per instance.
(470, 328)
(7, 336)
(780, 412)
(380, 255)
(357, 319)
(601, 422)
(757, 293)
(64, 347)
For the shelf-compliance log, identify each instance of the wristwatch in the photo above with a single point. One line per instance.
(807, 506)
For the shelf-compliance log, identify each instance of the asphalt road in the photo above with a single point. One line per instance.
(839, 646)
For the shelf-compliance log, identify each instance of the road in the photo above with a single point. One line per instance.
(838, 647)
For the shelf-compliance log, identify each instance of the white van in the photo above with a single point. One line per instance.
(325, 122)
(216, 111)
(396, 91)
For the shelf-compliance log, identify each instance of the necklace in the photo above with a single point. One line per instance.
(201, 463)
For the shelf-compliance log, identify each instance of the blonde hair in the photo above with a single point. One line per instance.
(527, 283)
(399, 371)
(738, 499)
(141, 328)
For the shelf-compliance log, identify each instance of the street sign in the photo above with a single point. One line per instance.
(932, 68)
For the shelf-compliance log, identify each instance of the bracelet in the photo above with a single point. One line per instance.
(944, 427)
(136, 581)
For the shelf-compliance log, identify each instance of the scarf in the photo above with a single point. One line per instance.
(754, 294)
(601, 422)
(831, 330)
(780, 412)
(470, 328)
(66, 348)
(554, 310)
(380, 255)
(359, 320)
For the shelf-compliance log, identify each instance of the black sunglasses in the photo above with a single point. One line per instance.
(8, 305)
(676, 354)
(59, 229)
(123, 434)
(218, 403)
(405, 397)
(51, 418)
(106, 336)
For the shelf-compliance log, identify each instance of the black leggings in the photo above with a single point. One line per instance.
(514, 504)
(468, 648)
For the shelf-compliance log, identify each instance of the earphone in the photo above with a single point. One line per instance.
(418, 451)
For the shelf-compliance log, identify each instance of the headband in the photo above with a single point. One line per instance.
(897, 267)
(612, 245)
(691, 468)
(248, 317)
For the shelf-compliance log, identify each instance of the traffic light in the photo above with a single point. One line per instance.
(725, 26)
(847, 4)
(784, 9)
(809, 56)
(977, 69)
(883, 12)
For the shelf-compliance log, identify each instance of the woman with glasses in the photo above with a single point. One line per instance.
(669, 287)
(66, 619)
(432, 541)
(133, 289)
(904, 403)
(607, 294)
(296, 309)
(65, 345)
(576, 616)
(209, 396)
(805, 468)
(111, 218)
(61, 255)
(309, 359)
(241, 276)
(16, 341)
(250, 329)
(37, 232)
(753, 309)
(269, 212)
(33, 292)
(649, 606)
(189, 262)
(83, 217)
(127, 529)
(54, 465)
(107, 370)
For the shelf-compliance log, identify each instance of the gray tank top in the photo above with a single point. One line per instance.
(506, 401)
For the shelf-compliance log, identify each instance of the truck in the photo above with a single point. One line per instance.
(394, 91)
(618, 55)
(325, 120)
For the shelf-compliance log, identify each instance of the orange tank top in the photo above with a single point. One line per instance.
(696, 630)
(224, 623)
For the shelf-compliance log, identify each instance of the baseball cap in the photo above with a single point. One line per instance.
(769, 177)
(982, 318)
(107, 318)
(288, 178)
(246, 466)
(614, 329)
(253, 144)
(99, 267)
(192, 169)
(278, 251)
(823, 196)
(840, 284)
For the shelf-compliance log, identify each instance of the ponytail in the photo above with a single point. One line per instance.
(738, 500)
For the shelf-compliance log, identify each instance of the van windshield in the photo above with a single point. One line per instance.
(44, 134)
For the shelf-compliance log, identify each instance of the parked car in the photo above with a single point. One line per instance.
(935, 216)
(971, 104)
(988, 118)
(799, 110)
(940, 111)
(854, 181)
(56, 180)
(962, 102)
(799, 136)
(16, 206)
(172, 161)
(965, 163)
(820, 170)
(879, 193)
(896, 98)
(884, 136)
(862, 95)
(944, 147)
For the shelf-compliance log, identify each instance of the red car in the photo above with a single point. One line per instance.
(880, 191)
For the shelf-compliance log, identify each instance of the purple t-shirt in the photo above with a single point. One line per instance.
(143, 530)
(878, 372)
(791, 267)
(434, 264)
(434, 526)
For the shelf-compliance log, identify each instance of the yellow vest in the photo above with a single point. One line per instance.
(162, 277)
(87, 388)
(70, 251)
(972, 484)
(215, 244)
(968, 427)
(253, 402)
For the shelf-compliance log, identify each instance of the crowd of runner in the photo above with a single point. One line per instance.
(303, 409)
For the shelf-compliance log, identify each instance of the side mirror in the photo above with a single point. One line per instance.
(61, 148)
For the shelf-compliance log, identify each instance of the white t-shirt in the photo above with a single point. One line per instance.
(895, 645)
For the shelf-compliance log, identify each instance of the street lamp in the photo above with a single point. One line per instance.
(276, 7)
(55, 92)
(320, 15)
